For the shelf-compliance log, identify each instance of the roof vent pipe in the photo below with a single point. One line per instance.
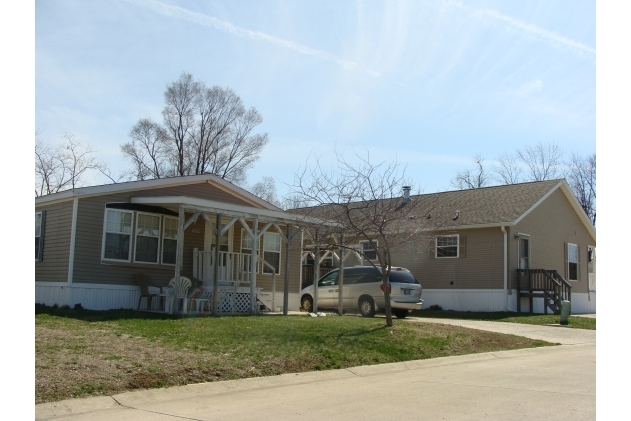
(406, 194)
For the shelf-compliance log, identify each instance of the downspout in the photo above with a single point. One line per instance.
(506, 307)
(73, 235)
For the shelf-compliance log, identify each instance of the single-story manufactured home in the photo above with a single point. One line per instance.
(520, 247)
(92, 243)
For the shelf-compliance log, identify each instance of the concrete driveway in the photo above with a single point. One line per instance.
(551, 383)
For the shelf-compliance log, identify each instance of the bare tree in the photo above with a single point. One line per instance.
(178, 115)
(64, 166)
(266, 190)
(507, 170)
(544, 161)
(148, 150)
(472, 179)
(366, 201)
(205, 130)
(581, 176)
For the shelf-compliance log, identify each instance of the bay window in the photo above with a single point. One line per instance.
(117, 238)
(169, 241)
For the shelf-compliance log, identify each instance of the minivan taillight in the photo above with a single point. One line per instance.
(389, 288)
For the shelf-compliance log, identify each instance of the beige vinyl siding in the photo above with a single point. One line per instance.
(552, 224)
(54, 267)
(482, 268)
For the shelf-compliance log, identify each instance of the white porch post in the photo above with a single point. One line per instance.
(216, 266)
(316, 272)
(254, 264)
(179, 254)
(286, 283)
(341, 276)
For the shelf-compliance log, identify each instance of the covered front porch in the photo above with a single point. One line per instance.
(249, 256)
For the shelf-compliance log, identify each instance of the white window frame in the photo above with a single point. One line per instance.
(164, 237)
(578, 267)
(38, 235)
(361, 249)
(105, 232)
(136, 235)
(264, 268)
(457, 247)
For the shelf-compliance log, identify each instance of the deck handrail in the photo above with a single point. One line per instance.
(549, 282)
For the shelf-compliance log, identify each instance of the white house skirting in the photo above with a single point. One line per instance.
(465, 299)
(581, 303)
(90, 296)
(113, 297)
(51, 293)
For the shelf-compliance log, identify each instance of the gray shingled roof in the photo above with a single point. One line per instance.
(488, 205)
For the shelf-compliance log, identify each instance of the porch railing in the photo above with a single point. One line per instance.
(232, 266)
(548, 284)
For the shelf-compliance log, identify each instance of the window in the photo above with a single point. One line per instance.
(117, 235)
(169, 241)
(39, 234)
(147, 238)
(271, 252)
(369, 252)
(572, 262)
(447, 246)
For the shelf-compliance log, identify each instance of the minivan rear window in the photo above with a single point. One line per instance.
(402, 277)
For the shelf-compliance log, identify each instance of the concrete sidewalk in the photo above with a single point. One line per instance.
(551, 383)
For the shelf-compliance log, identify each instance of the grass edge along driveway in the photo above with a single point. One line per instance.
(574, 322)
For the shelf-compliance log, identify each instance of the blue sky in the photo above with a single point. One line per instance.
(429, 84)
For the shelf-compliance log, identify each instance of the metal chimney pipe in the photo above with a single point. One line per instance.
(406, 194)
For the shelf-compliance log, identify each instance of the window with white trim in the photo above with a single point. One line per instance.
(38, 234)
(169, 241)
(271, 252)
(447, 246)
(572, 262)
(147, 238)
(369, 252)
(117, 235)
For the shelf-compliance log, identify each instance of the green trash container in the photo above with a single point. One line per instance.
(565, 312)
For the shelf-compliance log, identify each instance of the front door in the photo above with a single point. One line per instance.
(524, 253)
(225, 245)
(591, 267)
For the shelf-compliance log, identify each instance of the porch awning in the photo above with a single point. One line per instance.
(229, 209)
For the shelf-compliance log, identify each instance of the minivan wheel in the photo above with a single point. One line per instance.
(366, 307)
(307, 304)
(401, 314)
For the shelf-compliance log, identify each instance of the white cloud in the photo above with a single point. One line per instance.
(527, 88)
(548, 36)
(211, 21)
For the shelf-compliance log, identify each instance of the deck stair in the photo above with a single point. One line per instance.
(543, 283)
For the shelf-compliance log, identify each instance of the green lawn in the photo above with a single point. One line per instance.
(82, 353)
(575, 322)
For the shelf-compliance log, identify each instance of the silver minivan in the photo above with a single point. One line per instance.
(363, 290)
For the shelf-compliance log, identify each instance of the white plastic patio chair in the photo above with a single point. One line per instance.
(203, 300)
(177, 290)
